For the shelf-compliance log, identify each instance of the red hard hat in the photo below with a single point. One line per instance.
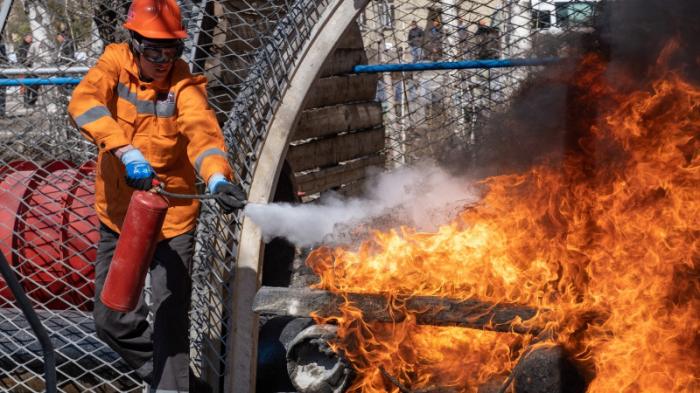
(156, 19)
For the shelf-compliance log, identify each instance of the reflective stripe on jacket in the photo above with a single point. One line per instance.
(169, 122)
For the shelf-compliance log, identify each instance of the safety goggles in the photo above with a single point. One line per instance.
(159, 54)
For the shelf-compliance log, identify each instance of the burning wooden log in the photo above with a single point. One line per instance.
(429, 310)
(547, 369)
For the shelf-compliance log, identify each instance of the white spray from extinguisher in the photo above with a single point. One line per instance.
(423, 197)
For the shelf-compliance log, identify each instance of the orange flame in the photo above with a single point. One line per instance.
(613, 231)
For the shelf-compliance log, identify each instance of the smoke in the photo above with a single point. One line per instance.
(422, 196)
(635, 33)
(545, 120)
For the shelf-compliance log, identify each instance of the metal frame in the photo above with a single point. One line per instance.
(327, 32)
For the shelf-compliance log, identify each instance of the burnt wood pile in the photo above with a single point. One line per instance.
(313, 368)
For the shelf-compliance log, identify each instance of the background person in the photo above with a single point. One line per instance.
(65, 57)
(26, 54)
(434, 41)
(462, 38)
(415, 42)
(65, 53)
(486, 41)
(149, 118)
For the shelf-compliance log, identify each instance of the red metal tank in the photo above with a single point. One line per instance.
(49, 231)
(132, 257)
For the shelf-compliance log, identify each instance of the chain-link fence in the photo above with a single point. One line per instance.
(247, 49)
(428, 112)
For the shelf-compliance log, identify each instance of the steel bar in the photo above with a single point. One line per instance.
(26, 306)
(429, 310)
(39, 81)
(453, 65)
(44, 70)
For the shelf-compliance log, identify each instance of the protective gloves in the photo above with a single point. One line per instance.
(230, 197)
(139, 173)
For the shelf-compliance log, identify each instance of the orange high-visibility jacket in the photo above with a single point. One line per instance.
(169, 122)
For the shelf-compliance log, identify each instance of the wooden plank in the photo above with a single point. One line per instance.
(324, 179)
(352, 190)
(331, 120)
(351, 38)
(429, 310)
(336, 90)
(331, 151)
(342, 61)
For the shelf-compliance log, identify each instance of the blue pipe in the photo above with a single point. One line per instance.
(453, 65)
(39, 81)
(358, 69)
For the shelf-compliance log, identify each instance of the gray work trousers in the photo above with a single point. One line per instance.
(160, 353)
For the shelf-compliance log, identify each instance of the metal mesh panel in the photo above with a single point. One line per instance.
(247, 49)
(49, 228)
(428, 113)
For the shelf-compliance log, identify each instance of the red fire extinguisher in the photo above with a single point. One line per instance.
(134, 252)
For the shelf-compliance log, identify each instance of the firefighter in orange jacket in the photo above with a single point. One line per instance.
(149, 118)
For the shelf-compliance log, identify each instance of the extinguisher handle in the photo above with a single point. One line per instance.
(160, 189)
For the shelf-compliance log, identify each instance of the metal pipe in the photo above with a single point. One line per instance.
(39, 81)
(453, 65)
(44, 70)
(312, 365)
(29, 313)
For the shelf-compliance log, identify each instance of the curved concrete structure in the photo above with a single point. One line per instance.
(243, 345)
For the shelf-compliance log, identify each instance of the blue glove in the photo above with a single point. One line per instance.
(139, 173)
(229, 196)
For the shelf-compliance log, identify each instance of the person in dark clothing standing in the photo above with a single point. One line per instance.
(65, 56)
(462, 38)
(66, 52)
(435, 41)
(415, 41)
(486, 41)
(25, 57)
(23, 49)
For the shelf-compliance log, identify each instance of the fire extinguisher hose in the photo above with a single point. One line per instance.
(161, 191)
(158, 187)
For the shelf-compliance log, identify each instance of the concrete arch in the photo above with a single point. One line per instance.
(337, 16)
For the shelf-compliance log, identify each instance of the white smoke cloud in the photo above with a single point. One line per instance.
(422, 197)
